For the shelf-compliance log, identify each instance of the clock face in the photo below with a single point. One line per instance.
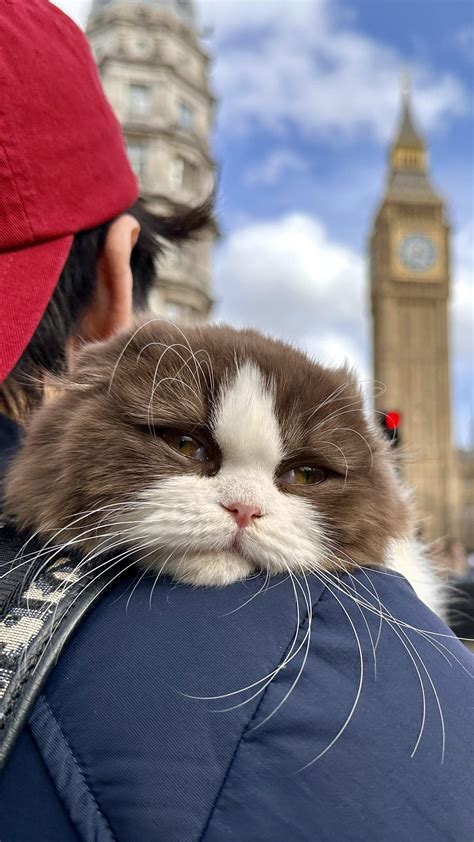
(418, 252)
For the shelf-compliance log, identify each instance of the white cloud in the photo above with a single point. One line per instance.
(280, 162)
(462, 332)
(288, 278)
(76, 9)
(300, 64)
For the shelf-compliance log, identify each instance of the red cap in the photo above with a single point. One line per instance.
(63, 165)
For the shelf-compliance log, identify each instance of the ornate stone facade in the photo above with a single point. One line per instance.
(410, 287)
(155, 74)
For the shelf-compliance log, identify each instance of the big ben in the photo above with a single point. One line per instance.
(410, 288)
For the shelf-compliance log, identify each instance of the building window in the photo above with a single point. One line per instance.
(185, 117)
(139, 100)
(137, 153)
(184, 175)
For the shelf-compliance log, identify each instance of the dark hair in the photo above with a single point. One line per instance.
(23, 389)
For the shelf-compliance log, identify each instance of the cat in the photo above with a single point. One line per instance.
(213, 454)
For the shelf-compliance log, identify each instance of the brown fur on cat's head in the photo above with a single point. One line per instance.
(97, 447)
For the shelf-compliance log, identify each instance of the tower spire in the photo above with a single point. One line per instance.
(408, 177)
(405, 82)
(408, 151)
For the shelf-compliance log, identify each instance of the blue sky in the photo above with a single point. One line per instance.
(308, 102)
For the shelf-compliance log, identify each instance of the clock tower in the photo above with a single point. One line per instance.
(410, 287)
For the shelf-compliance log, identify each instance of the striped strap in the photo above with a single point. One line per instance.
(42, 599)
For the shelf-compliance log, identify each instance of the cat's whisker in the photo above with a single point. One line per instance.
(357, 433)
(347, 410)
(387, 616)
(397, 624)
(380, 621)
(44, 549)
(195, 375)
(160, 571)
(127, 345)
(106, 585)
(247, 601)
(422, 686)
(267, 679)
(330, 399)
(307, 639)
(174, 346)
(352, 403)
(359, 688)
(189, 347)
(58, 550)
(140, 579)
(393, 625)
(366, 623)
(346, 463)
(96, 552)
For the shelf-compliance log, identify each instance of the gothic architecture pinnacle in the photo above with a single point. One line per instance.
(408, 178)
(155, 73)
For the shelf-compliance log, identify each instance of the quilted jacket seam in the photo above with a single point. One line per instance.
(70, 753)
(241, 739)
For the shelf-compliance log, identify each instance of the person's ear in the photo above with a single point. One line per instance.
(111, 307)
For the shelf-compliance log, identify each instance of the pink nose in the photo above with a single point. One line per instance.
(243, 514)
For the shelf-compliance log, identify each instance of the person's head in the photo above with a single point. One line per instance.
(108, 271)
(77, 248)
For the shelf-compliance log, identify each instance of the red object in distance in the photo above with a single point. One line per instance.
(392, 420)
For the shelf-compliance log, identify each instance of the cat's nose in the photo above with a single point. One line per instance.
(242, 513)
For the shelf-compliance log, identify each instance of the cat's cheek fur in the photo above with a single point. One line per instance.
(209, 570)
(408, 557)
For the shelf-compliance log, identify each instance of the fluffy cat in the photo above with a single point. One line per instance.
(212, 454)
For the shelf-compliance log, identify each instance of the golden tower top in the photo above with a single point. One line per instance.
(408, 178)
(408, 151)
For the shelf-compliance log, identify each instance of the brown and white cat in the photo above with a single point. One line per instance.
(212, 454)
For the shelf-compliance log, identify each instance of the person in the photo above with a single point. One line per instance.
(275, 715)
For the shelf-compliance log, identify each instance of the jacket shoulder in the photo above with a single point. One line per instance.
(196, 711)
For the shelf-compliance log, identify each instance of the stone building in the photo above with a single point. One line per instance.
(410, 288)
(155, 74)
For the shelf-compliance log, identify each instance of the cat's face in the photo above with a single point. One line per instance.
(215, 453)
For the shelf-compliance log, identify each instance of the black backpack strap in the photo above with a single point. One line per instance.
(43, 596)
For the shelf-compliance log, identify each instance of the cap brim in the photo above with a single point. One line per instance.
(28, 277)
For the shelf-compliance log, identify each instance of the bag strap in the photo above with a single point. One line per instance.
(43, 597)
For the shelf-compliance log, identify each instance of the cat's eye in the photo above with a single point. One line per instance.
(303, 475)
(185, 445)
